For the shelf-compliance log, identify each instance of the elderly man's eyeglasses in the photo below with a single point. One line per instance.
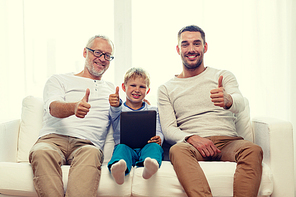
(100, 53)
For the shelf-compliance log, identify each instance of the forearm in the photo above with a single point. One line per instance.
(238, 103)
(115, 112)
(171, 131)
(228, 101)
(60, 109)
(174, 135)
(232, 88)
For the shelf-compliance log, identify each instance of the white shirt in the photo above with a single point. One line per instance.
(70, 88)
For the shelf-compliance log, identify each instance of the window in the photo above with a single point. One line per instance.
(248, 38)
(252, 39)
(55, 34)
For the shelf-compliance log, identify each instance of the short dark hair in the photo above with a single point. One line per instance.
(192, 28)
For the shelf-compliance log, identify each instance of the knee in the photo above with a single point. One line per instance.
(122, 147)
(153, 147)
(90, 153)
(257, 150)
(90, 150)
(43, 152)
(253, 152)
(177, 150)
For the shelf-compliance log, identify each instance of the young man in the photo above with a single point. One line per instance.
(136, 86)
(76, 122)
(197, 110)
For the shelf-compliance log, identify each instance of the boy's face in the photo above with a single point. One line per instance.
(136, 90)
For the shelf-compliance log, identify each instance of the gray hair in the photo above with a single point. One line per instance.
(91, 40)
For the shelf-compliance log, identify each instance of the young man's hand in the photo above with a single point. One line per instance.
(220, 97)
(204, 146)
(114, 98)
(156, 139)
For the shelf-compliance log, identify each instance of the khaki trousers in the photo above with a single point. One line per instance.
(52, 151)
(247, 177)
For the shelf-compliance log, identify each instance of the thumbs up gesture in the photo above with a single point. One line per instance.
(82, 107)
(114, 98)
(220, 97)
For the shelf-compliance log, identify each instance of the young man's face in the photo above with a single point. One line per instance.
(96, 66)
(136, 90)
(191, 48)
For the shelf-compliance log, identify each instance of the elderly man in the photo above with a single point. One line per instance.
(76, 122)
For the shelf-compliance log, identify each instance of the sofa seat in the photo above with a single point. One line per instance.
(18, 136)
(18, 181)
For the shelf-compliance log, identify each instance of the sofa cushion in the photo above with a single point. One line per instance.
(243, 123)
(18, 181)
(31, 123)
(219, 175)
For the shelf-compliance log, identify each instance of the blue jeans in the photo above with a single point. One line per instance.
(136, 157)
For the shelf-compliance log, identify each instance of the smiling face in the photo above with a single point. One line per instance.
(95, 67)
(191, 48)
(136, 89)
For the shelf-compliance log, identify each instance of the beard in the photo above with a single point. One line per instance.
(192, 66)
(91, 69)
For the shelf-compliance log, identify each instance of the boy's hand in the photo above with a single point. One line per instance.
(114, 98)
(145, 100)
(156, 139)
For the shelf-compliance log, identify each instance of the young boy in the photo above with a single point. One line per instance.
(136, 86)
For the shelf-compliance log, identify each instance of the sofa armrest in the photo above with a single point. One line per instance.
(8, 140)
(276, 139)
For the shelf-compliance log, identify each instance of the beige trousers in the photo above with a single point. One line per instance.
(52, 151)
(247, 155)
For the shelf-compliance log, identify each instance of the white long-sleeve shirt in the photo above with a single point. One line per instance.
(70, 88)
(115, 120)
(185, 107)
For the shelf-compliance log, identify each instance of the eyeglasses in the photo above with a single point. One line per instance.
(100, 53)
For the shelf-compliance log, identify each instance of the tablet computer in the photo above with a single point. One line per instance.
(137, 127)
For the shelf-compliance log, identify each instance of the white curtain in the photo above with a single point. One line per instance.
(253, 39)
(12, 74)
(250, 38)
(41, 38)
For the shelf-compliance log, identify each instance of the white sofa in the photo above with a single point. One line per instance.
(273, 135)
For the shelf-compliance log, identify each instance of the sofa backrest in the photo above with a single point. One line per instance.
(243, 123)
(31, 123)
